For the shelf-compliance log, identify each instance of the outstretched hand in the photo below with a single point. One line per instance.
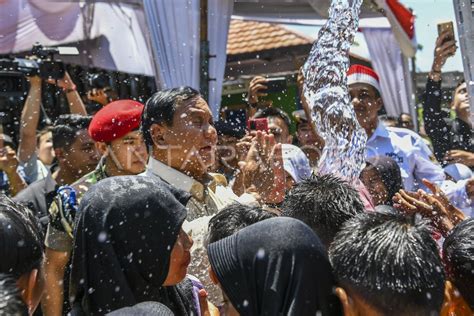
(425, 205)
(460, 156)
(436, 207)
(455, 215)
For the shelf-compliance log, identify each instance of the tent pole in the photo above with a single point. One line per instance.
(418, 119)
(204, 53)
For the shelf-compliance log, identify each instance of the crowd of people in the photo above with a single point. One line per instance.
(162, 209)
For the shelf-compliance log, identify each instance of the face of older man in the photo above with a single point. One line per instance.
(191, 139)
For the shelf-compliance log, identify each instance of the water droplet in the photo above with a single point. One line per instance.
(102, 237)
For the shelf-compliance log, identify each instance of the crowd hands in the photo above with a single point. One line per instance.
(156, 209)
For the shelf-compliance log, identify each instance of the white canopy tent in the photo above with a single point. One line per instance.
(161, 37)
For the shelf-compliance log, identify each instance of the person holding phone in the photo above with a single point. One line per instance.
(12, 176)
(452, 138)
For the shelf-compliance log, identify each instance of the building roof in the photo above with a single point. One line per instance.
(252, 36)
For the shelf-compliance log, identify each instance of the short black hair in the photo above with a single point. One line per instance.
(403, 113)
(10, 297)
(459, 83)
(66, 127)
(399, 119)
(160, 108)
(229, 128)
(324, 203)
(458, 252)
(233, 218)
(22, 247)
(391, 261)
(273, 112)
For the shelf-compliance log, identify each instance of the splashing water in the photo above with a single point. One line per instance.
(327, 95)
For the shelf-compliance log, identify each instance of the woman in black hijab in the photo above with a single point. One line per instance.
(130, 248)
(383, 179)
(274, 267)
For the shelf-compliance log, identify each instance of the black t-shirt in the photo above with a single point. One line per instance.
(38, 196)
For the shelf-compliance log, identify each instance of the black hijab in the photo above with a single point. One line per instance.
(390, 174)
(126, 229)
(275, 267)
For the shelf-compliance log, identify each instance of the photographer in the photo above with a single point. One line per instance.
(100, 93)
(35, 150)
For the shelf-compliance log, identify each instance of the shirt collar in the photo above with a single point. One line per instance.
(380, 131)
(176, 178)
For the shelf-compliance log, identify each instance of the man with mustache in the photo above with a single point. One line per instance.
(178, 128)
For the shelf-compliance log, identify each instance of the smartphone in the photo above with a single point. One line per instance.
(260, 124)
(446, 27)
(276, 84)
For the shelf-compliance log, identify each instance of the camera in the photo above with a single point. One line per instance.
(11, 81)
(98, 80)
(41, 62)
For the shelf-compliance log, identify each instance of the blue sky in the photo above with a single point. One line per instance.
(429, 13)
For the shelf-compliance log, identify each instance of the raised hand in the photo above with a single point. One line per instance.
(262, 170)
(98, 95)
(65, 83)
(35, 81)
(257, 85)
(445, 48)
(8, 160)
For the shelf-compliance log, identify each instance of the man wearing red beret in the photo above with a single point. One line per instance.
(115, 129)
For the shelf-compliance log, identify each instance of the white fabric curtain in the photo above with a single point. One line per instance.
(219, 14)
(108, 35)
(174, 36)
(392, 68)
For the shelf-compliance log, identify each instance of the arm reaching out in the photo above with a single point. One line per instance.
(29, 120)
(76, 106)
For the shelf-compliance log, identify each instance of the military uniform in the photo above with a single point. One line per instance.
(59, 236)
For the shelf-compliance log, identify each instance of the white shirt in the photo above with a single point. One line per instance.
(35, 169)
(456, 192)
(409, 151)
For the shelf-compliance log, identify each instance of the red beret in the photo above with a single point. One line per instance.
(115, 120)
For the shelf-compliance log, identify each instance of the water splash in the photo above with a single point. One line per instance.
(326, 92)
